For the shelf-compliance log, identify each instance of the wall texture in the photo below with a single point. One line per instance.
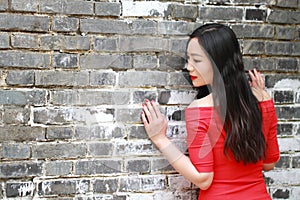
(73, 74)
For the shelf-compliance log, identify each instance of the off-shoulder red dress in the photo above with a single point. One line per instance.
(232, 180)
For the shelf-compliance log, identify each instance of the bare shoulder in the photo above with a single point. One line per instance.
(203, 102)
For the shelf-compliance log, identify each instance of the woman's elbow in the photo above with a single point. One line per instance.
(205, 181)
(268, 167)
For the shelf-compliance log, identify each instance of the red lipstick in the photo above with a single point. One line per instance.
(193, 77)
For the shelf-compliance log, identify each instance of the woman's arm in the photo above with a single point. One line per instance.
(156, 125)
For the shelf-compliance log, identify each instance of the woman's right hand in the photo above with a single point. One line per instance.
(154, 121)
(257, 85)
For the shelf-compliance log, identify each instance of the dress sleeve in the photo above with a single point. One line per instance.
(269, 127)
(199, 144)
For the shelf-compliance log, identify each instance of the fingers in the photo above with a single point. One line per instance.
(150, 111)
(256, 79)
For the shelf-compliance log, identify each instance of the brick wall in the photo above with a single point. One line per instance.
(73, 74)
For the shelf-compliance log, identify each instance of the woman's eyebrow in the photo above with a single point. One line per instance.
(196, 54)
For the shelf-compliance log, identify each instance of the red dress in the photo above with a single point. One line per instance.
(232, 180)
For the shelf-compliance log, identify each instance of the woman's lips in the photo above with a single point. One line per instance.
(193, 77)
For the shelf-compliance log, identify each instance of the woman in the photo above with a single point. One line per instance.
(231, 132)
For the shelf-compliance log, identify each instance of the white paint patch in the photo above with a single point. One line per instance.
(20, 117)
(144, 8)
(82, 187)
(288, 84)
(26, 189)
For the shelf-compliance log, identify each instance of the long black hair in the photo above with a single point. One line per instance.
(242, 117)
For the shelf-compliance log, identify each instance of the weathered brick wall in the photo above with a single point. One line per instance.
(73, 74)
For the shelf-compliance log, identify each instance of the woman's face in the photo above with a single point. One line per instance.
(198, 64)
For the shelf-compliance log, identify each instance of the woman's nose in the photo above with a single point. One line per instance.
(189, 66)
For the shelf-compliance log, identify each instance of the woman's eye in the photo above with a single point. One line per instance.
(197, 61)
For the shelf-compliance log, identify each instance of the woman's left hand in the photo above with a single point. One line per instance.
(154, 121)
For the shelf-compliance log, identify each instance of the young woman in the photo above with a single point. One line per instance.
(231, 132)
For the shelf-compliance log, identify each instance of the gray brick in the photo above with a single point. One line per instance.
(4, 5)
(172, 97)
(137, 165)
(253, 31)
(98, 61)
(107, 8)
(103, 166)
(137, 132)
(259, 2)
(97, 132)
(20, 189)
(20, 169)
(256, 14)
(284, 162)
(141, 96)
(23, 97)
(271, 80)
(106, 185)
(176, 27)
(16, 115)
(4, 40)
(287, 4)
(143, 183)
(102, 78)
(63, 187)
(65, 24)
(104, 26)
(106, 44)
(265, 64)
(60, 42)
(24, 22)
(161, 165)
(58, 150)
(129, 148)
(287, 64)
(145, 62)
(64, 60)
(171, 62)
(58, 132)
(253, 47)
(24, 5)
(280, 48)
(141, 44)
(20, 77)
(128, 115)
(24, 59)
(62, 78)
(140, 79)
(178, 46)
(100, 149)
(285, 129)
(178, 182)
(58, 168)
(130, 184)
(24, 41)
(16, 151)
(185, 11)
(284, 17)
(219, 13)
(286, 32)
(67, 7)
(288, 112)
(143, 27)
(21, 133)
(179, 79)
(90, 97)
(67, 115)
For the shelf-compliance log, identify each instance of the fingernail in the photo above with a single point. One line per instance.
(152, 101)
(147, 100)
